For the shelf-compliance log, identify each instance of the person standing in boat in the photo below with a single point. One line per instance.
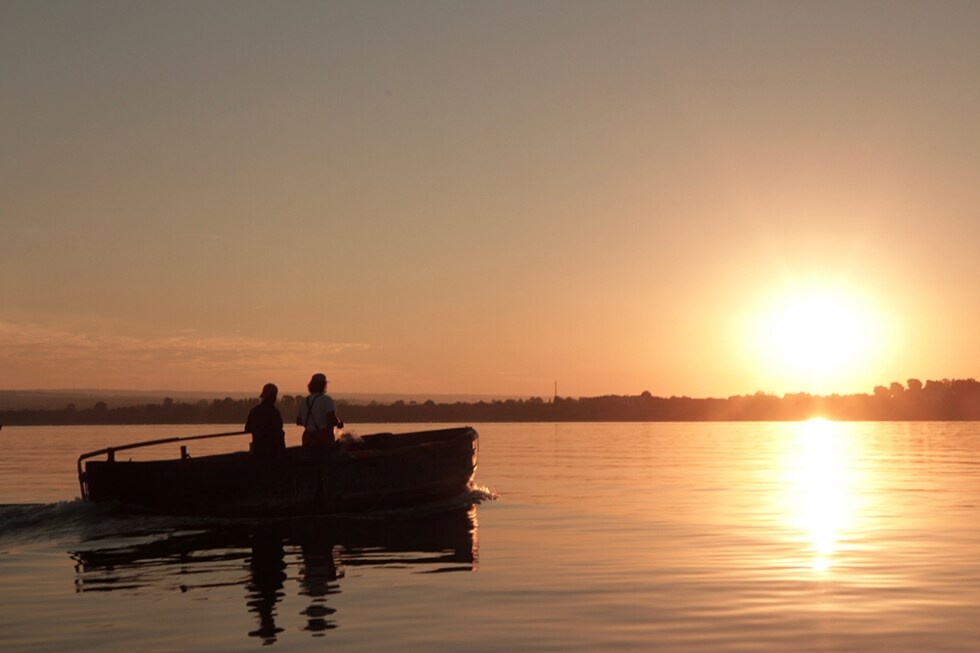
(264, 422)
(318, 415)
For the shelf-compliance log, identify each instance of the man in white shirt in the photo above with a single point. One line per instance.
(318, 415)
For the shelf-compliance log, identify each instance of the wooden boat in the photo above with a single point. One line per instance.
(384, 471)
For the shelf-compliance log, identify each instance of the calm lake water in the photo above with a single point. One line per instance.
(812, 536)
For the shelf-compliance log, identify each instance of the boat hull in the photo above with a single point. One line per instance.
(388, 471)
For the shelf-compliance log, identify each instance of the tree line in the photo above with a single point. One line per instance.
(957, 399)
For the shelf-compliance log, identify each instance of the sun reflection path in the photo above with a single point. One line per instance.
(819, 488)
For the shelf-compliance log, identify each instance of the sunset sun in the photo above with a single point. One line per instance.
(812, 334)
(812, 337)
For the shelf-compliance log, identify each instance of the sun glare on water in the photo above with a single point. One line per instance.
(819, 498)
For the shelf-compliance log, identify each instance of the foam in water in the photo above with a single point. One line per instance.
(34, 521)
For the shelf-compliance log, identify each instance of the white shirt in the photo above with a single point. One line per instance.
(322, 407)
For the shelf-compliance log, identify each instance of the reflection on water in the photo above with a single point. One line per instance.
(819, 487)
(721, 537)
(268, 577)
(320, 570)
(265, 557)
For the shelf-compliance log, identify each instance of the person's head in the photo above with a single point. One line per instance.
(318, 383)
(269, 393)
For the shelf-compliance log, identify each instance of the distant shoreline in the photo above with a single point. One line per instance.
(58, 399)
(945, 400)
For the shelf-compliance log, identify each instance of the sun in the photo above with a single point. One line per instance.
(815, 334)
(816, 339)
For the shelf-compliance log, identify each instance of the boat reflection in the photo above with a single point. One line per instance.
(310, 552)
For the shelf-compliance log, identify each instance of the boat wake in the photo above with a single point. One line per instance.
(84, 520)
(80, 520)
(479, 494)
(27, 522)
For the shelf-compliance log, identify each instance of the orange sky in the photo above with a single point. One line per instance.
(475, 198)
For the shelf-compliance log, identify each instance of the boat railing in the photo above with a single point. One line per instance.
(110, 452)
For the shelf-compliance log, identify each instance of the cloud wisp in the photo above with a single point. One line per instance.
(32, 355)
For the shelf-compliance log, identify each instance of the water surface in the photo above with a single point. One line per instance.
(813, 536)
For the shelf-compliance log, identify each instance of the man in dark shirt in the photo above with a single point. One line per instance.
(265, 424)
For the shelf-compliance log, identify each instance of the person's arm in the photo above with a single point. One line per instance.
(330, 413)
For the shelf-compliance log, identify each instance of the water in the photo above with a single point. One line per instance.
(811, 536)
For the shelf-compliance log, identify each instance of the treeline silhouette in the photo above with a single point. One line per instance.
(947, 399)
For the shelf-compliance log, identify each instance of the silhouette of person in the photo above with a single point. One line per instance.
(264, 422)
(318, 415)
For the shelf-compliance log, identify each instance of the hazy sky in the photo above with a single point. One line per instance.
(464, 197)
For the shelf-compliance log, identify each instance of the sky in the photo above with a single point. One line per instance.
(685, 198)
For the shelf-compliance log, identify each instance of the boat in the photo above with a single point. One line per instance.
(383, 470)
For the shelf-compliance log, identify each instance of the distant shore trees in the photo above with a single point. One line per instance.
(956, 399)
